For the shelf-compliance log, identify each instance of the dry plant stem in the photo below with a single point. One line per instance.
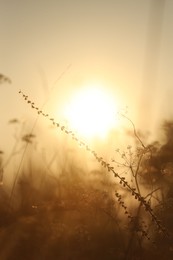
(31, 132)
(141, 156)
(19, 168)
(135, 174)
(151, 193)
(106, 165)
(134, 130)
(14, 151)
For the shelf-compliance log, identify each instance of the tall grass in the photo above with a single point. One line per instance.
(121, 211)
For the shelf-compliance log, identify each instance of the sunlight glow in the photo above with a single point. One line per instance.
(92, 112)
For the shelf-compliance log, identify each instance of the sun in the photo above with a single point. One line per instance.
(91, 111)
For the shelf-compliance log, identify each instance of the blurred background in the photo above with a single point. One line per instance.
(51, 49)
(86, 64)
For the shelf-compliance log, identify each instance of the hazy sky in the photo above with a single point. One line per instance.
(127, 44)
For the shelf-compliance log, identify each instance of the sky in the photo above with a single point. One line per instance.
(49, 49)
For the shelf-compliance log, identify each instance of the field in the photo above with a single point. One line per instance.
(56, 207)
